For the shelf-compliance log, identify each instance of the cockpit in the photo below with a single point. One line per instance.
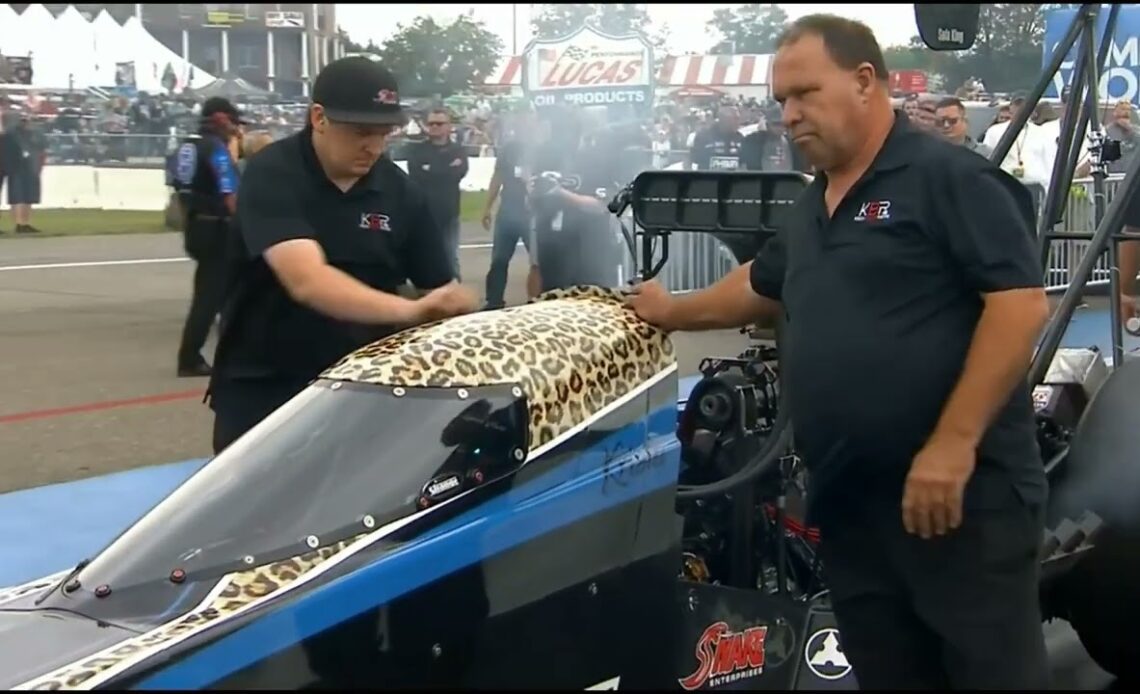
(338, 461)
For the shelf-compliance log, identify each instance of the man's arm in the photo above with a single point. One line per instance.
(415, 164)
(271, 218)
(459, 171)
(225, 175)
(750, 293)
(987, 219)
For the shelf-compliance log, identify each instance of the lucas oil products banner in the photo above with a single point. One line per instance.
(589, 68)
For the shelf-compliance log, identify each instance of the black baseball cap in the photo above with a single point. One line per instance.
(220, 105)
(360, 91)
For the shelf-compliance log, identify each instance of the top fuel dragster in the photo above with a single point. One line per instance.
(516, 499)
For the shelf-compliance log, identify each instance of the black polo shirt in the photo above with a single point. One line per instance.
(717, 149)
(380, 231)
(882, 300)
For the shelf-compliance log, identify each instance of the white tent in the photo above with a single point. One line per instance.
(111, 47)
(11, 42)
(35, 28)
(152, 57)
(68, 51)
(76, 64)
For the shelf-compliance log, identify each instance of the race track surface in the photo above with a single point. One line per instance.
(90, 329)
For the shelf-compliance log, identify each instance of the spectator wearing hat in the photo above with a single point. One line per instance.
(329, 231)
(205, 177)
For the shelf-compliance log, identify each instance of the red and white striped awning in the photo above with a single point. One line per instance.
(742, 70)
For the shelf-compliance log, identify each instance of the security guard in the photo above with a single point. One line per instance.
(329, 230)
(910, 281)
(205, 179)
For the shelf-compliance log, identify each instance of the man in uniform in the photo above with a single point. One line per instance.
(329, 232)
(437, 165)
(717, 147)
(205, 178)
(909, 277)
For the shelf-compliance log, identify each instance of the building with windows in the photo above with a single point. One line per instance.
(280, 47)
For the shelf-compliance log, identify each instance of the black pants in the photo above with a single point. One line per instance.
(239, 405)
(956, 612)
(206, 244)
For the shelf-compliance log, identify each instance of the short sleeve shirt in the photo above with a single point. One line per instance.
(882, 299)
(380, 232)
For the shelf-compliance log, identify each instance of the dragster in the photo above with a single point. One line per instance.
(521, 499)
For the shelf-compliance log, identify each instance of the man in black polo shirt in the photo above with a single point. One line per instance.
(718, 147)
(913, 297)
(329, 230)
(438, 165)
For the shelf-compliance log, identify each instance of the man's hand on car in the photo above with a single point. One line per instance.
(452, 299)
(652, 303)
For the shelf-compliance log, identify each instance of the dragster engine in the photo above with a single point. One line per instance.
(739, 487)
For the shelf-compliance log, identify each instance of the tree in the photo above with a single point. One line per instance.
(351, 46)
(750, 28)
(555, 21)
(431, 59)
(1007, 52)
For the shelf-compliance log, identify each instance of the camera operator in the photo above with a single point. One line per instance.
(576, 240)
(911, 285)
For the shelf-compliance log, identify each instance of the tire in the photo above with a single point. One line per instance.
(1101, 599)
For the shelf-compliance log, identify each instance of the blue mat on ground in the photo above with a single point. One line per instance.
(48, 529)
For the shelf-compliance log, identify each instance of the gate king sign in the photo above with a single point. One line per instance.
(1120, 76)
(589, 68)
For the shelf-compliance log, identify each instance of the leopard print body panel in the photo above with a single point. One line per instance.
(573, 351)
(234, 594)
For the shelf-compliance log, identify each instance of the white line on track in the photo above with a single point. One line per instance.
(149, 261)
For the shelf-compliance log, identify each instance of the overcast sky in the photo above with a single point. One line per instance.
(892, 24)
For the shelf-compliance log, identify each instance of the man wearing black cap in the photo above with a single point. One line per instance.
(329, 230)
(204, 174)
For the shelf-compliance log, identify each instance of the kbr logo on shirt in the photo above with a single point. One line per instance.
(373, 221)
(877, 210)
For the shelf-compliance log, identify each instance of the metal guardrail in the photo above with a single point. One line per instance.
(1065, 254)
(143, 151)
